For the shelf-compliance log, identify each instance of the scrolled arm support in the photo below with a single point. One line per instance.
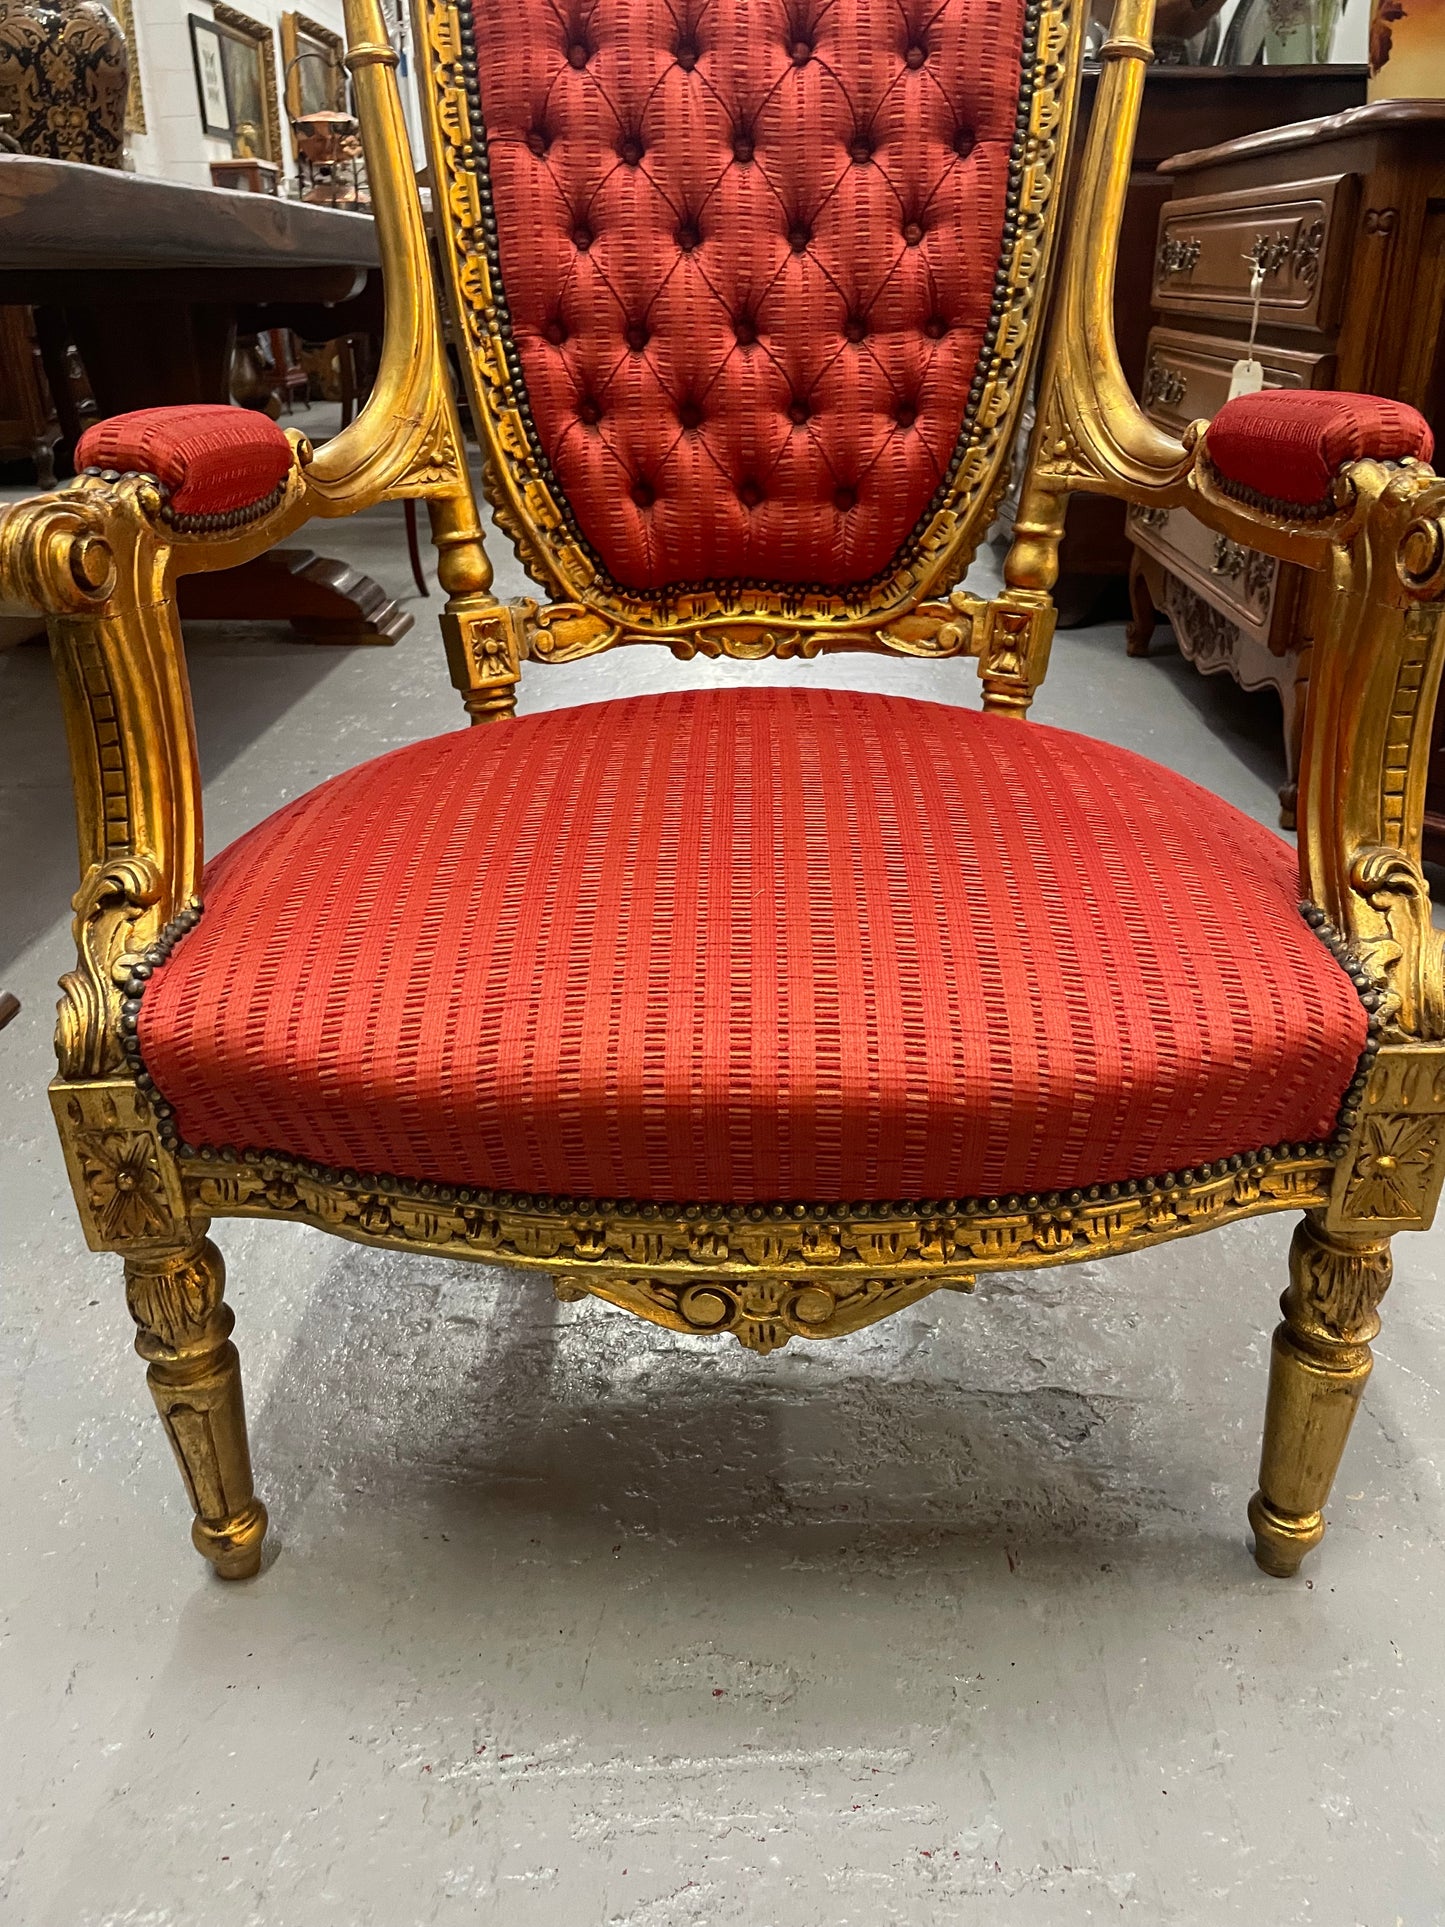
(407, 440)
(96, 559)
(1379, 646)
(1090, 431)
(101, 556)
(1376, 545)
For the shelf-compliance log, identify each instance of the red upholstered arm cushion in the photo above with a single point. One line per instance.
(1288, 444)
(211, 460)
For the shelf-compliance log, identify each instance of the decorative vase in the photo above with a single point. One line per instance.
(1407, 50)
(63, 74)
(1299, 33)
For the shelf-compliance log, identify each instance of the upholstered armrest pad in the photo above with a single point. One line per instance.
(1285, 446)
(216, 464)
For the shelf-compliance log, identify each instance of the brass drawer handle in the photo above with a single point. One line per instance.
(1300, 250)
(1177, 257)
(1163, 386)
(1254, 572)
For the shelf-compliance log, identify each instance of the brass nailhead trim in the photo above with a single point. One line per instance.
(196, 524)
(1274, 505)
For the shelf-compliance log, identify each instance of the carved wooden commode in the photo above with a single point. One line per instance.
(763, 1011)
(1341, 214)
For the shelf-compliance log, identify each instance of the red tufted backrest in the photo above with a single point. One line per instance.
(749, 253)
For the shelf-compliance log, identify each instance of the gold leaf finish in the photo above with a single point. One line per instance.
(125, 1181)
(101, 558)
(183, 1331)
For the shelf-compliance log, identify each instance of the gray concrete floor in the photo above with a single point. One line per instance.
(573, 1622)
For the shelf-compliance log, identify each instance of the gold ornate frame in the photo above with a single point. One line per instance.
(135, 104)
(101, 557)
(264, 41)
(296, 27)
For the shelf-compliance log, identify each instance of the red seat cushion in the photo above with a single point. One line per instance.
(748, 250)
(754, 945)
(1288, 444)
(210, 459)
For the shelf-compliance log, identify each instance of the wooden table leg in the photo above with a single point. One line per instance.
(324, 600)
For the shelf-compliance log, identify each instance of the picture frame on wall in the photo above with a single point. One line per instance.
(208, 54)
(248, 55)
(135, 106)
(311, 59)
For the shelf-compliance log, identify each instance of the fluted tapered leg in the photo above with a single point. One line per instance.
(184, 1334)
(1319, 1363)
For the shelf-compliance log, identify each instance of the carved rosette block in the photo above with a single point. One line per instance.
(1015, 636)
(484, 649)
(126, 1183)
(1319, 1362)
(183, 1331)
(1390, 1176)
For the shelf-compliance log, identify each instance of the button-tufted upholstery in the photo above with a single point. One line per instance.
(748, 249)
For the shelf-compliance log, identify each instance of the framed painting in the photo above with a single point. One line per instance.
(211, 82)
(248, 53)
(315, 80)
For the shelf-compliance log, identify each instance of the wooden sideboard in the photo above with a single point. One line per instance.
(1346, 217)
(149, 279)
(1182, 107)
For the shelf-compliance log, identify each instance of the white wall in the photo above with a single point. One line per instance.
(1352, 34)
(173, 145)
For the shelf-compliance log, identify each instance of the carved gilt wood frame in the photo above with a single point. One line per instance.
(101, 557)
(244, 27)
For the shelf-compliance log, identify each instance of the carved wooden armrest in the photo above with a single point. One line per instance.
(1284, 450)
(215, 467)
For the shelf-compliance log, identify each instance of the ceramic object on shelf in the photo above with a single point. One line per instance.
(1300, 33)
(1407, 50)
(64, 71)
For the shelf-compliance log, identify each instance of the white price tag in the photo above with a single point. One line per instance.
(1247, 376)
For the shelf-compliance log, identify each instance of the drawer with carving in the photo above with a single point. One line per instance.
(1186, 376)
(1239, 582)
(1299, 236)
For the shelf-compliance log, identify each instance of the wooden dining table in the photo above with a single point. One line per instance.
(152, 280)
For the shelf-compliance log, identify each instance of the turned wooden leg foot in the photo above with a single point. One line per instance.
(1142, 613)
(1319, 1362)
(184, 1334)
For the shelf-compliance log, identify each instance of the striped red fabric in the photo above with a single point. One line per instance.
(1288, 444)
(748, 250)
(756, 945)
(210, 458)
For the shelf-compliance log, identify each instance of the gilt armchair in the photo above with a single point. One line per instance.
(767, 1012)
